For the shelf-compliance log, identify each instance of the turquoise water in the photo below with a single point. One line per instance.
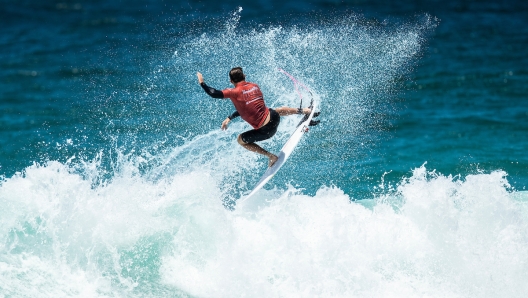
(116, 180)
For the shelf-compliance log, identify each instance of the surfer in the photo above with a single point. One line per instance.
(249, 104)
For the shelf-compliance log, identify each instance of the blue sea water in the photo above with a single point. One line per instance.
(116, 180)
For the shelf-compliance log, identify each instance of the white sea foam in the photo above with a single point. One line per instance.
(433, 236)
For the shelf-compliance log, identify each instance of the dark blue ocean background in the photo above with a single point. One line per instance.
(116, 180)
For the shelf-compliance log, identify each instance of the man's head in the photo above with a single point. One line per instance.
(236, 75)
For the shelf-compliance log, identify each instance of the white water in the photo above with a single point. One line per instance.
(432, 236)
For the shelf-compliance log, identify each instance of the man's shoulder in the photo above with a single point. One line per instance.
(249, 85)
(240, 88)
(230, 92)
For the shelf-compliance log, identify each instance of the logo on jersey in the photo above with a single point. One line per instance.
(250, 90)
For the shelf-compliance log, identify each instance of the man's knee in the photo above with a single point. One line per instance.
(240, 141)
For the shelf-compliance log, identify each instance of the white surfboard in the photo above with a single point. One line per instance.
(285, 152)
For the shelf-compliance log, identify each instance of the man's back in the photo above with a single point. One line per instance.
(249, 102)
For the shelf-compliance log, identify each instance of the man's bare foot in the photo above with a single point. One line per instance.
(272, 160)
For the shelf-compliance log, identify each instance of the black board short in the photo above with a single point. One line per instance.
(265, 132)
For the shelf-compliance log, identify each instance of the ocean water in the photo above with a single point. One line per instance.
(116, 180)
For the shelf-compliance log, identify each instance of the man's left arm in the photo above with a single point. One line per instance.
(209, 90)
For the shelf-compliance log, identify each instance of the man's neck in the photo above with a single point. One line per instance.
(239, 83)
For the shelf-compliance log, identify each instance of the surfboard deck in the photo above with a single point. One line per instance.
(285, 152)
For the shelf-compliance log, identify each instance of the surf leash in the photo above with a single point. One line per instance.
(297, 83)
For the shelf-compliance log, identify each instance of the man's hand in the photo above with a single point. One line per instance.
(225, 123)
(200, 77)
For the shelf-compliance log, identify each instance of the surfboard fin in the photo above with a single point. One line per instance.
(314, 122)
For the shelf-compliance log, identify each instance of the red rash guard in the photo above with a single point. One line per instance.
(249, 102)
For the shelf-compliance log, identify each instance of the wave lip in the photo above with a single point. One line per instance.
(434, 235)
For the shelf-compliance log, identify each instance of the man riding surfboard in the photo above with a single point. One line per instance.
(249, 104)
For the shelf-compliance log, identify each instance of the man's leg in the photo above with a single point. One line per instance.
(256, 148)
(286, 111)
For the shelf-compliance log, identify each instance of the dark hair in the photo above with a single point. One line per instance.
(237, 75)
